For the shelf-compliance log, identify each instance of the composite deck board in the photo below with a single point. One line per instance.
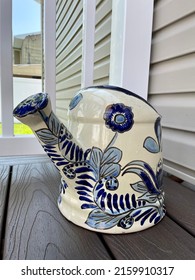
(180, 204)
(4, 178)
(164, 241)
(35, 229)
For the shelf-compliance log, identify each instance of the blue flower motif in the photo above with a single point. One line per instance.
(31, 105)
(119, 117)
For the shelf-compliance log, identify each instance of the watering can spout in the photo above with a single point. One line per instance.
(36, 111)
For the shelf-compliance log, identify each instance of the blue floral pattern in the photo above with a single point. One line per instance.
(31, 105)
(150, 144)
(96, 172)
(97, 181)
(75, 101)
(119, 117)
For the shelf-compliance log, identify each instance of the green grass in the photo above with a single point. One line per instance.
(19, 129)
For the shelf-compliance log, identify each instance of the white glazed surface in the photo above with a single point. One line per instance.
(116, 186)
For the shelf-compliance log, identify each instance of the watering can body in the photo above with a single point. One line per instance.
(108, 154)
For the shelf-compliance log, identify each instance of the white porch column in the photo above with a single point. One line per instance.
(131, 44)
(50, 50)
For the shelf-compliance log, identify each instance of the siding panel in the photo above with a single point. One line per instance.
(175, 75)
(172, 83)
(167, 42)
(168, 11)
(176, 107)
(102, 41)
(69, 21)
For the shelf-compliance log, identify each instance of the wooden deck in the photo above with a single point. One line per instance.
(31, 226)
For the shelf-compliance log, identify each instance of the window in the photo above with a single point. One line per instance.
(27, 53)
(11, 144)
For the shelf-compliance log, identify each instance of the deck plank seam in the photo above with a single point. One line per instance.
(171, 217)
(4, 222)
(106, 246)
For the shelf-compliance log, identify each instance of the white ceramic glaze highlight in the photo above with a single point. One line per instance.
(108, 154)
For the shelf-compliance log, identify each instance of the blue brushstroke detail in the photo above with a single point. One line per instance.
(84, 183)
(143, 214)
(83, 198)
(100, 192)
(86, 176)
(109, 202)
(82, 169)
(82, 188)
(122, 202)
(133, 200)
(115, 202)
(146, 217)
(157, 219)
(102, 201)
(127, 201)
(77, 153)
(153, 217)
(83, 193)
(64, 144)
(87, 206)
(72, 152)
(80, 154)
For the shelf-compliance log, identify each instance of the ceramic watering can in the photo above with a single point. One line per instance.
(108, 154)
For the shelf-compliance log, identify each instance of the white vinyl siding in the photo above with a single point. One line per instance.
(102, 42)
(172, 83)
(69, 36)
(69, 19)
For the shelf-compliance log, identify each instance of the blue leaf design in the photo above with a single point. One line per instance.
(115, 202)
(151, 198)
(112, 155)
(83, 198)
(95, 160)
(47, 137)
(151, 186)
(82, 188)
(153, 216)
(54, 124)
(86, 176)
(84, 183)
(146, 217)
(83, 193)
(157, 219)
(145, 212)
(99, 193)
(157, 129)
(87, 206)
(139, 187)
(98, 219)
(133, 200)
(111, 169)
(72, 151)
(127, 201)
(122, 202)
(151, 145)
(82, 169)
